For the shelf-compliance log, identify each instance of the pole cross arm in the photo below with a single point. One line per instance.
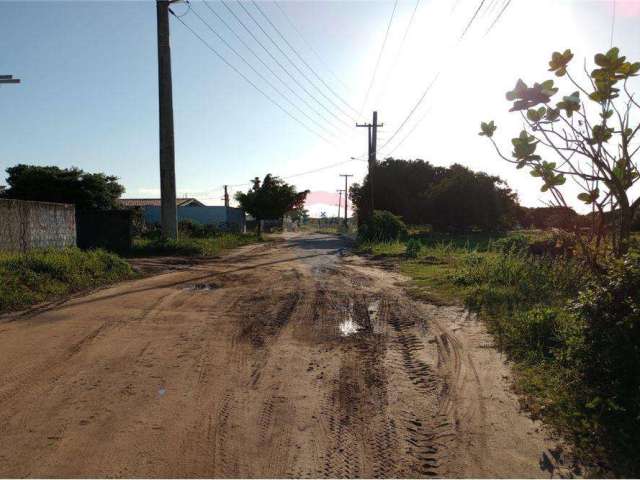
(8, 79)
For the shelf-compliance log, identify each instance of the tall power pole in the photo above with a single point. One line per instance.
(339, 201)
(346, 194)
(226, 204)
(168, 210)
(372, 145)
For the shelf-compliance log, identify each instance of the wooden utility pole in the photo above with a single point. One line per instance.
(372, 145)
(339, 201)
(168, 209)
(346, 194)
(8, 79)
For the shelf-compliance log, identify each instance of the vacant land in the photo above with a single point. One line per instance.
(292, 358)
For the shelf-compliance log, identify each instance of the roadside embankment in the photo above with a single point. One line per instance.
(571, 332)
(41, 275)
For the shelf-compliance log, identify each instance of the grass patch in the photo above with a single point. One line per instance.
(381, 249)
(190, 247)
(41, 275)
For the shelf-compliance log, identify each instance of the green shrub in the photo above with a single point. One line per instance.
(40, 275)
(382, 226)
(190, 247)
(511, 243)
(610, 360)
(413, 248)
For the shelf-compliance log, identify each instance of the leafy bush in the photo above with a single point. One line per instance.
(512, 243)
(193, 229)
(413, 248)
(382, 226)
(610, 360)
(40, 275)
(575, 334)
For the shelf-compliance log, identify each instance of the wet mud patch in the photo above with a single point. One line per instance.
(260, 326)
(202, 287)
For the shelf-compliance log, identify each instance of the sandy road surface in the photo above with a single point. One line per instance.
(285, 359)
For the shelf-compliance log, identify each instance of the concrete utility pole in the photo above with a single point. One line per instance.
(168, 209)
(226, 204)
(346, 194)
(8, 79)
(339, 201)
(372, 145)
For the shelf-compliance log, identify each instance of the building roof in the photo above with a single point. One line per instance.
(155, 202)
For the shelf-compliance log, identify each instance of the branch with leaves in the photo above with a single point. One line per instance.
(596, 152)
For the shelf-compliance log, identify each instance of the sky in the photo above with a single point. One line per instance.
(88, 96)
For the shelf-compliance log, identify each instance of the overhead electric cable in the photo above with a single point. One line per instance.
(248, 47)
(284, 69)
(308, 44)
(398, 55)
(266, 80)
(411, 112)
(308, 172)
(375, 70)
(277, 30)
(506, 4)
(235, 69)
(409, 133)
(472, 19)
(424, 94)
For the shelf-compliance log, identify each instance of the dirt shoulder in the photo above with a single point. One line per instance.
(287, 359)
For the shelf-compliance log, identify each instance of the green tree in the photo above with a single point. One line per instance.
(299, 214)
(447, 198)
(87, 191)
(270, 199)
(591, 133)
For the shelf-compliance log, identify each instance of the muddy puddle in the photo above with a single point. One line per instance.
(201, 287)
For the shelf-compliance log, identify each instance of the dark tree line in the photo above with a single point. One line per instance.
(448, 198)
(87, 191)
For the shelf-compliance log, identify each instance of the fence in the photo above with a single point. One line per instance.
(25, 225)
(108, 229)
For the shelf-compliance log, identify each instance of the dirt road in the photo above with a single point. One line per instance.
(287, 359)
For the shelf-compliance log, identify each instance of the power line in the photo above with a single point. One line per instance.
(231, 29)
(424, 94)
(409, 133)
(266, 95)
(411, 112)
(397, 57)
(277, 30)
(313, 50)
(266, 80)
(308, 172)
(472, 19)
(248, 47)
(504, 7)
(291, 62)
(375, 70)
